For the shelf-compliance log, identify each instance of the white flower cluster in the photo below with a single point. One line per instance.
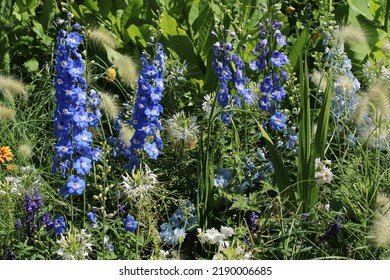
(214, 236)
(74, 246)
(18, 185)
(139, 183)
(183, 130)
(323, 173)
(228, 252)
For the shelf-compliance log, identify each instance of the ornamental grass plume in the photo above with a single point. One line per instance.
(101, 38)
(127, 69)
(25, 150)
(10, 86)
(351, 34)
(7, 114)
(380, 232)
(319, 79)
(383, 202)
(385, 48)
(109, 105)
(125, 135)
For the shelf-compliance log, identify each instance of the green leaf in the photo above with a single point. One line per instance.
(299, 47)
(201, 20)
(38, 29)
(92, 5)
(105, 7)
(133, 10)
(323, 121)
(47, 14)
(6, 8)
(31, 65)
(178, 43)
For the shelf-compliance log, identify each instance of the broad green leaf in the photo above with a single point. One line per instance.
(47, 14)
(6, 8)
(92, 5)
(105, 7)
(133, 10)
(138, 35)
(38, 29)
(201, 20)
(176, 40)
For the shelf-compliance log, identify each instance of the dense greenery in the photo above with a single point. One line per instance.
(221, 129)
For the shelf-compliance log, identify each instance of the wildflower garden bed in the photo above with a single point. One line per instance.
(221, 129)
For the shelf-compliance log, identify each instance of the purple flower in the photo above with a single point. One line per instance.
(278, 59)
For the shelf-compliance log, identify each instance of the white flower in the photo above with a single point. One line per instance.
(139, 183)
(206, 105)
(227, 231)
(210, 236)
(323, 173)
(183, 130)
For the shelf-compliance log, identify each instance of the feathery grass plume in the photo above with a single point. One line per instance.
(109, 105)
(346, 83)
(361, 110)
(383, 202)
(385, 48)
(127, 69)
(319, 79)
(125, 135)
(378, 93)
(351, 34)
(101, 38)
(7, 113)
(25, 150)
(380, 232)
(10, 86)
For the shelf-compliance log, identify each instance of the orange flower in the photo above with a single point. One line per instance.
(5, 154)
(110, 74)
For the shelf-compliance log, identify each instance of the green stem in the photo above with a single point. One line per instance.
(386, 25)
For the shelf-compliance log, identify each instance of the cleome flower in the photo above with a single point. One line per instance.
(183, 130)
(139, 183)
(75, 245)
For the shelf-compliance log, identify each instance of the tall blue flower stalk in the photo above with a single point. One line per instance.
(76, 111)
(147, 109)
(230, 69)
(270, 62)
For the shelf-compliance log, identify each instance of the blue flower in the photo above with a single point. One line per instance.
(74, 39)
(82, 165)
(151, 150)
(278, 94)
(75, 186)
(59, 225)
(130, 224)
(92, 217)
(278, 121)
